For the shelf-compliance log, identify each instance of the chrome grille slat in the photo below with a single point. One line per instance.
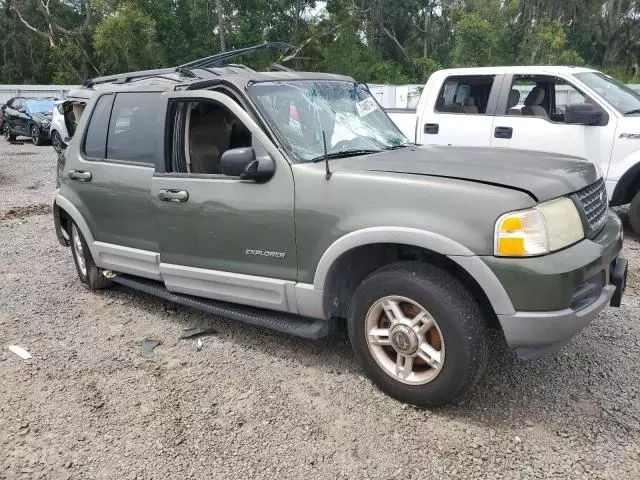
(593, 207)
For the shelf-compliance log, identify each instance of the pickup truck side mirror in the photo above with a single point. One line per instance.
(242, 162)
(583, 114)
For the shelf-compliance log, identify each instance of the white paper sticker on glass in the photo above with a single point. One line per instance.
(366, 106)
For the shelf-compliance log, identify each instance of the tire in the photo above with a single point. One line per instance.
(36, 136)
(454, 329)
(6, 131)
(634, 213)
(56, 141)
(90, 275)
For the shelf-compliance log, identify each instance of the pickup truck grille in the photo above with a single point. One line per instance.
(594, 202)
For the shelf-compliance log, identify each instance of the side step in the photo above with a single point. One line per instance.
(279, 321)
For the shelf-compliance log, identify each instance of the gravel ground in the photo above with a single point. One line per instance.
(256, 404)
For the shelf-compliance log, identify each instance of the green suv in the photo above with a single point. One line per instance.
(291, 201)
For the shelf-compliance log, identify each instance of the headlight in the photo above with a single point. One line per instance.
(543, 229)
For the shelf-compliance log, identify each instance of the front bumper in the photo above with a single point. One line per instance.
(561, 293)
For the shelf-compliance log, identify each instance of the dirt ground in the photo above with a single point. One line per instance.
(256, 404)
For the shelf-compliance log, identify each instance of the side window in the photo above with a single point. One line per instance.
(466, 95)
(133, 128)
(95, 139)
(565, 94)
(201, 131)
(542, 96)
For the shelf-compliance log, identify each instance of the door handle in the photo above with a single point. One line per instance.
(503, 132)
(80, 175)
(431, 128)
(176, 196)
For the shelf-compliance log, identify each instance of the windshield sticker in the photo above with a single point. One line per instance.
(366, 106)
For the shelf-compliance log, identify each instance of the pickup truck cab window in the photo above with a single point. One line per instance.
(542, 96)
(349, 118)
(465, 95)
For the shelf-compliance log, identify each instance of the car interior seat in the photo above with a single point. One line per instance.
(533, 103)
(469, 105)
(209, 138)
(514, 98)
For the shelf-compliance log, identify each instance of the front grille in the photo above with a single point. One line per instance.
(594, 202)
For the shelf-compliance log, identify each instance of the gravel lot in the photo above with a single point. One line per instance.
(257, 404)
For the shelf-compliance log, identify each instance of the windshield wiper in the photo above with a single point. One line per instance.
(344, 154)
(635, 110)
(402, 145)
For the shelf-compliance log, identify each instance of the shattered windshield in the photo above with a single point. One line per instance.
(350, 119)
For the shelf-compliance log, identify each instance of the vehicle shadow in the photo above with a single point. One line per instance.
(556, 392)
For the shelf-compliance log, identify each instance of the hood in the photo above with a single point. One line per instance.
(542, 175)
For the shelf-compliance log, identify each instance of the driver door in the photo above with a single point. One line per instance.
(222, 237)
(542, 128)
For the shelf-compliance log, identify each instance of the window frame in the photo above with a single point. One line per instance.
(507, 85)
(162, 169)
(492, 101)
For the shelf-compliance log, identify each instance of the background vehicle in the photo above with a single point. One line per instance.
(66, 115)
(202, 185)
(566, 110)
(30, 117)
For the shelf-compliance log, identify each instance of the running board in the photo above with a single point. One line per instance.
(279, 321)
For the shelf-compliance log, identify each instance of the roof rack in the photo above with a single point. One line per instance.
(186, 70)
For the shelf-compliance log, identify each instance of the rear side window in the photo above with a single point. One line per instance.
(134, 126)
(466, 95)
(95, 139)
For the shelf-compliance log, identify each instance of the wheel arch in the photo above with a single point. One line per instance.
(63, 211)
(627, 186)
(354, 256)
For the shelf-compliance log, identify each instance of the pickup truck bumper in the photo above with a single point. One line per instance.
(562, 292)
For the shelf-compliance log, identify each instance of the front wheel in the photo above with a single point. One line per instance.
(6, 131)
(418, 333)
(634, 213)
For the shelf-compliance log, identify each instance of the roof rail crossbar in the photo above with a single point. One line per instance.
(125, 77)
(219, 58)
(276, 67)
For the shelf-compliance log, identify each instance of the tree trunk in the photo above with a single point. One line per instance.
(223, 46)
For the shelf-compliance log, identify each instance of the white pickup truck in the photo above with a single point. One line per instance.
(567, 110)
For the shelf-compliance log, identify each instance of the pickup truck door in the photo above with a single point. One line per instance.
(459, 111)
(530, 116)
(222, 237)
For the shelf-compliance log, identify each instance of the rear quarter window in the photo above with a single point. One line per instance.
(95, 140)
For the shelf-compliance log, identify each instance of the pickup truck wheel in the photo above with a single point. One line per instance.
(90, 275)
(634, 213)
(418, 333)
(56, 141)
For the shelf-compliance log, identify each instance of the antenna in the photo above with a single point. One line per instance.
(326, 156)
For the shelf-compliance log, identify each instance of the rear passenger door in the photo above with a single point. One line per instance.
(111, 178)
(222, 237)
(463, 113)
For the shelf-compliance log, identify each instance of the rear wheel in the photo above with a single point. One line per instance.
(6, 131)
(36, 137)
(90, 275)
(418, 333)
(56, 141)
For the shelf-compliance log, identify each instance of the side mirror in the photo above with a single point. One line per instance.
(242, 162)
(583, 114)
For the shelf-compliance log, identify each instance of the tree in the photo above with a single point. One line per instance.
(127, 41)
